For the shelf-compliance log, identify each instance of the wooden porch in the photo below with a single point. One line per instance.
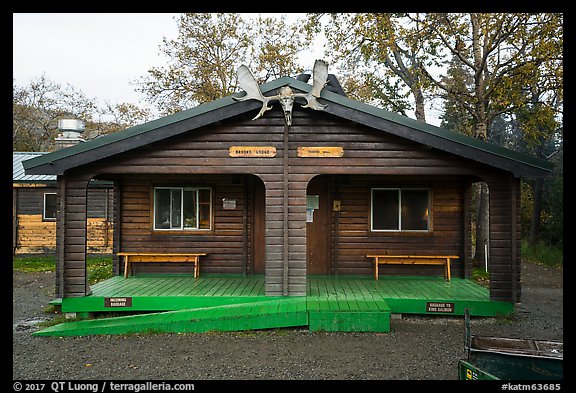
(180, 303)
(404, 294)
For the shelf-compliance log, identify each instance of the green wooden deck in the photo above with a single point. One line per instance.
(180, 303)
(176, 292)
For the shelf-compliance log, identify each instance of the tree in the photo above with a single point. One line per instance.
(385, 52)
(38, 106)
(275, 48)
(36, 109)
(455, 116)
(506, 54)
(116, 117)
(503, 54)
(205, 56)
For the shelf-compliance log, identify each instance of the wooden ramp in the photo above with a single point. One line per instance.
(324, 314)
(245, 316)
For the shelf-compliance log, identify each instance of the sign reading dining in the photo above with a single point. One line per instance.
(320, 151)
(252, 151)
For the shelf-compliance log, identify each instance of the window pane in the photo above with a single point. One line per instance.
(204, 207)
(176, 208)
(162, 208)
(414, 210)
(385, 209)
(50, 206)
(190, 209)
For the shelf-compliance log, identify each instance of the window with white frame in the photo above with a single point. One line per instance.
(400, 209)
(50, 207)
(182, 208)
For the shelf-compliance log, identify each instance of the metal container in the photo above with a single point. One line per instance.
(511, 358)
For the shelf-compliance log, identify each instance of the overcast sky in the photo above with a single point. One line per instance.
(100, 54)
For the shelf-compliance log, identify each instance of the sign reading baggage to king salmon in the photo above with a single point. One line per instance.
(444, 307)
(252, 151)
(321, 151)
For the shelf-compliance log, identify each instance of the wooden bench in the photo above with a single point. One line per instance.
(139, 257)
(414, 260)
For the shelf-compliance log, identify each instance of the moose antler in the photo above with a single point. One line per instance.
(248, 83)
(320, 78)
(286, 97)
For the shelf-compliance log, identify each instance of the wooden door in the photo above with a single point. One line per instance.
(319, 226)
(259, 227)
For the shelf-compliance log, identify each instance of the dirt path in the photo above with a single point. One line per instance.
(417, 348)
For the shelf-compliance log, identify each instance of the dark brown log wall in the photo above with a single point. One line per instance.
(356, 240)
(225, 243)
(505, 234)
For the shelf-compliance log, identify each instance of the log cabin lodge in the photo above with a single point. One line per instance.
(292, 209)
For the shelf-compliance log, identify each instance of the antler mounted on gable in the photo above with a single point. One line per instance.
(286, 96)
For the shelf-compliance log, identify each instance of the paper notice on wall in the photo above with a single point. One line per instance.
(312, 201)
(309, 215)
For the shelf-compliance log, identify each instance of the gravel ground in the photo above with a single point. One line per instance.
(417, 348)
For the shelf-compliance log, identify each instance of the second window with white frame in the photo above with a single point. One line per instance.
(182, 208)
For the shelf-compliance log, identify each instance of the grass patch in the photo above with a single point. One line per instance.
(481, 276)
(542, 253)
(36, 263)
(99, 267)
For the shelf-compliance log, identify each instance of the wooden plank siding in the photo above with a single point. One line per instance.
(224, 243)
(371, 158)
(34, 234)
(72, 236)
(505, 234)
(356, 240)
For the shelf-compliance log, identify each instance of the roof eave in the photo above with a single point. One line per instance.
(520, 165)
(54, 163)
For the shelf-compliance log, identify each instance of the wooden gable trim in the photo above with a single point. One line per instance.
(58, 166)
(518, 169)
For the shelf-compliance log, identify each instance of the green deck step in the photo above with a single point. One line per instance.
(348, 315)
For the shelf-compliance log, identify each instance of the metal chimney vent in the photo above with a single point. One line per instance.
(70, 133)
(73, 125)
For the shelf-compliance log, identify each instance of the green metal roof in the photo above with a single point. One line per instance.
(363, 113)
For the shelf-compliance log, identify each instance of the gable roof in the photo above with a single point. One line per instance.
(18, 174)
(108, 145)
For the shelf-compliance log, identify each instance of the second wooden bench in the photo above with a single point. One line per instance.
(138, 257)
(414, 260)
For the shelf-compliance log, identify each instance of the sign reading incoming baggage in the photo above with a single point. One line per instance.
(117, 302)
(321, 151)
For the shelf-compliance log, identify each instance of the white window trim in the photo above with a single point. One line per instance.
(44, 218)
(182, 228)
(399, 210)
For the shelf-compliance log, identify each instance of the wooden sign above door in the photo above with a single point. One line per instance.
(252, 151)
(320, 151)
